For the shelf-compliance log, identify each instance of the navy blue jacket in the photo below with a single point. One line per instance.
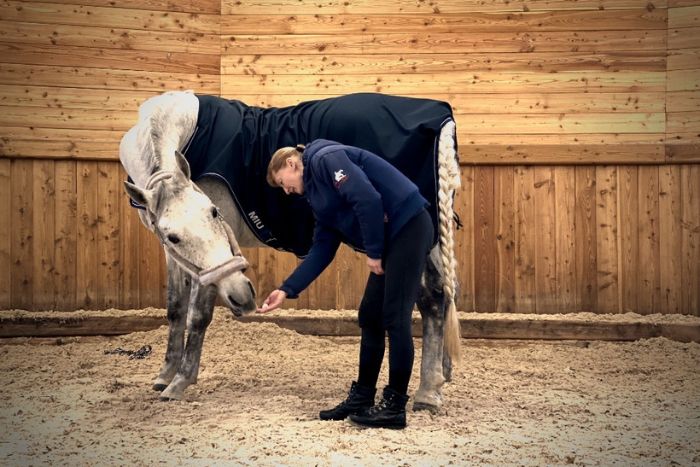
(357, 198)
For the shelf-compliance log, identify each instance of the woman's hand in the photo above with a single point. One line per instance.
(274, 300)
(375, 265)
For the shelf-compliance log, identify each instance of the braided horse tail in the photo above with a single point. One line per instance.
(449, 181)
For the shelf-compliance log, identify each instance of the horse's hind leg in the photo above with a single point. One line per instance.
(177, 303)
(432, 306)
(200, 312)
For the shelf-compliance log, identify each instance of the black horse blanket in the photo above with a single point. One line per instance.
(234, 141)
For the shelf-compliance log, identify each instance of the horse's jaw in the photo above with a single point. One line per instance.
(237, 292)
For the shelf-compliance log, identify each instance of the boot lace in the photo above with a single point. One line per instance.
(381, 406)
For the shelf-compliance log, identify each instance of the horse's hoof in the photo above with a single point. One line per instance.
(168, 398)
(418, 406)
(160, 387)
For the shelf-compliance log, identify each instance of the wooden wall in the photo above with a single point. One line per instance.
(71, 78)
(578, 124)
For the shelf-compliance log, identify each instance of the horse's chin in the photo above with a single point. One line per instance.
(239, 310)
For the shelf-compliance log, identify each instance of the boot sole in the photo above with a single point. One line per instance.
(395, 426)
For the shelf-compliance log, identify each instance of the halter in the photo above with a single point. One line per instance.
(203, 276)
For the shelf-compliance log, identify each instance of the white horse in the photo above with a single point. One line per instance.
(203, 255)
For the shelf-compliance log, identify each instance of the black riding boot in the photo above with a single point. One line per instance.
(390, 412)
(360, 398)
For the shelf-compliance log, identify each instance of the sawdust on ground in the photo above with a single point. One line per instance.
(65, 402)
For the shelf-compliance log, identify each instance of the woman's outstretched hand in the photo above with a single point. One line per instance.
(375, 265)
(274, 300)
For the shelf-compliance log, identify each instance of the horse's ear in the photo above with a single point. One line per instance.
(183, 164)
(138, 195)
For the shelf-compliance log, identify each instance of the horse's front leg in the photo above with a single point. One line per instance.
(177, 304)
(431, 303)
(200, 312)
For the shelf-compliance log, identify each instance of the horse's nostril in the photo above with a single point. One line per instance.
(252, 290)
(233, 301)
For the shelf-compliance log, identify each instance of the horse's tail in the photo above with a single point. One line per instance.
(449, 181)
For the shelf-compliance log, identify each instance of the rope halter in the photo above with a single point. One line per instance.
(202, 276)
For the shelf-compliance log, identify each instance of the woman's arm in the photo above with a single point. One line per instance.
(352, 184)
(322, 252)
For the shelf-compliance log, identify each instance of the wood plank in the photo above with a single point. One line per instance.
(684, 17)
(339, 63)
(283, 265)
(186, 6)
(464, 240)
(607, 280)
(266, 281)
(565, 237)
(545, 242)
(43, 235)
(525, 231)
(60, 143)
(322, 292)
(586, 239)
(683, 101)
(80, 14)
(505, 239)
(73, 98)
(115, 59)
(351, 269)
(681, 3)
(561, 154)
(108, 37)
(628, 179)
(111, 120)
(670, 239)
(129, 229)
(484, 236)
(559, 20)
(683, 38)
(484, 103)
(108, 234)
(683, 80)
(684, 59)
(649, 292)
(21, 247)
(683, 122)
(48, 149)
(5, 233)
(251, 255)
(536, 150)
(562, 139)
(430, 83)
(87, 269)
(150, 266)
(684, 152)
(100, 78)
(496, 42)
(690, 233)
(472, 325)
(505, 124)
(294, 7)
(66, 233)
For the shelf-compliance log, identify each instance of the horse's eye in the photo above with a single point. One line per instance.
(173, 239)
(214, 213)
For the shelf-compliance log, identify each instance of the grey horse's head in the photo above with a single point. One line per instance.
(195, 235)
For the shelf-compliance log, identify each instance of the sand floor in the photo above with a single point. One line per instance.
(65, 402)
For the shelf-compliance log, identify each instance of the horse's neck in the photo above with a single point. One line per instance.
(175, 115)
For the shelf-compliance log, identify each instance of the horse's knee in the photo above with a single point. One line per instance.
(431, 297)
(200, 320)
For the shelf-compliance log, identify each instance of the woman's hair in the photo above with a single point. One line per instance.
(279, 158)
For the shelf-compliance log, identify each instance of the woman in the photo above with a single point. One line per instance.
(362, 200)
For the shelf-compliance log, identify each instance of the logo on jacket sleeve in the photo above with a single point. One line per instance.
(340, 177)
